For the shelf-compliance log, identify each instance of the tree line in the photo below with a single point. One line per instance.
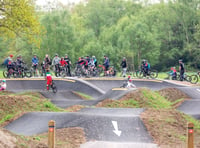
(161, 33)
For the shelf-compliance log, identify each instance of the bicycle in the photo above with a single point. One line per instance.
(34, 70)
(80, 71)
(128, 84)
(111, 71)
(63, 71)
(53, 87)
(151, 73)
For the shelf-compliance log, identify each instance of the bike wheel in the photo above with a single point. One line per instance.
(154, 74)
(57, 74)
(63, 74)
(5, 74)
(139, 74)
(188, 78)
(53, 86)
(194, 79)
(28, 74)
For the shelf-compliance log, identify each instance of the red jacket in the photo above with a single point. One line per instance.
(63, 63)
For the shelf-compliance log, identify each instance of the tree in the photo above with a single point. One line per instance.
(18, 19)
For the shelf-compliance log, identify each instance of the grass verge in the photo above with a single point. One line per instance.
(83, 96)
(14, 105)
(141, 98)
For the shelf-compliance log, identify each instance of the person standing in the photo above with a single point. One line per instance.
(124, 66)
(181, 69)
(67, 59)
(106, 64)
(35, 62)
(56, 63)
(47, 61)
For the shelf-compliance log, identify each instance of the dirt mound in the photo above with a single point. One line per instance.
(173, 94)
(14, 105)
(74, 108)
(140, 98)
(168, 127)
(65, 138)
(6, 140)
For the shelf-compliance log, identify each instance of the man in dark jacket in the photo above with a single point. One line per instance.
(67, 59)
(181, 69)
(124, 67)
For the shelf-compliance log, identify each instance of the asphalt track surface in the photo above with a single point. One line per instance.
(97, 122)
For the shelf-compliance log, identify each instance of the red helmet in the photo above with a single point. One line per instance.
(11, 55)
(129, 76)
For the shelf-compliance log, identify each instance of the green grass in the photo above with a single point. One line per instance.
(13, 105)
(83, 96)
(147, 99)
(155, 100)
(193, 120)
(6, 118)
(1, 73)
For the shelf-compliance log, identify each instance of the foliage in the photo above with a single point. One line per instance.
(162, 32)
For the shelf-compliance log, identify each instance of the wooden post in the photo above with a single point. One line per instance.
(190, 135)
(51, 134)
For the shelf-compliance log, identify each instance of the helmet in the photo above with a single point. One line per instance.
(3, 80)
(180, 60)
(11, 55)
(56, 54)
(66, 54)
(129, 76)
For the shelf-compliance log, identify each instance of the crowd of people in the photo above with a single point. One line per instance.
(57, 62)
(84, 62)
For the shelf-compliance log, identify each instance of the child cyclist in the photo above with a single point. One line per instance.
(128, 83)
(3, 85)
(48, 78)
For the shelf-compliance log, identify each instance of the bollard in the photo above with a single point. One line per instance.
(190, 135)
(51, 134)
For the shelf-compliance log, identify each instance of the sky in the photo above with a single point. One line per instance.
(43, 2)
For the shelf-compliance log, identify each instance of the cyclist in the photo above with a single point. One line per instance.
(106, 64)
(63, 63)
(67, 59)
(9, 58)
(47, 61)
(83, 63)
(48, 78)
(95, 60)
(181, 69)
(35, 62)
(145, 67)
(92, 64)
(124, 67)
(9, 62)
(173, 73)
(55, 62)
(19, 63)
(88, 58)
(3, 85)
(129, 83)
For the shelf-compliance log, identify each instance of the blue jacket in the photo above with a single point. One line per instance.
(35, 60)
